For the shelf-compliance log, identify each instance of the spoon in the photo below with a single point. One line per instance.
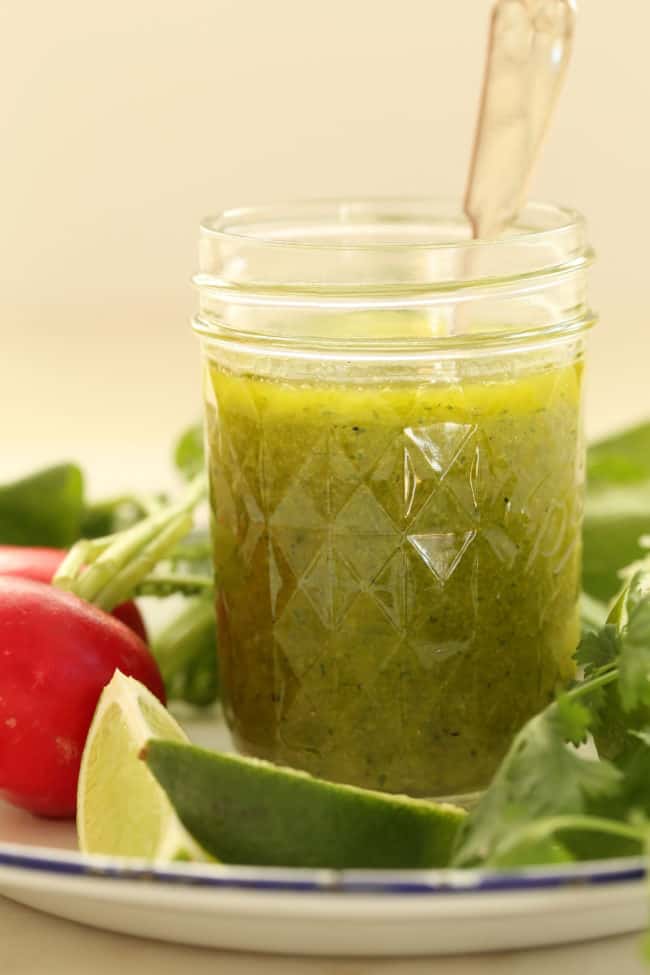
(529, 47)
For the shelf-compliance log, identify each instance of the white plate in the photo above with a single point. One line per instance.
(316, 912)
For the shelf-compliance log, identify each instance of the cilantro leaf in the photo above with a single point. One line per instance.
(494, 817)
(634, 763)
(612, 724)
(574, 720)
(552, 777)
(630, 805)
(598, 649)
(634, 665)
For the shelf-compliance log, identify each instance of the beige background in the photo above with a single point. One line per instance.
(122, 123)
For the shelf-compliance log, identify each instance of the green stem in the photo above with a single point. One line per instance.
(83, 553)
(107, 571)
(184, 637)
(542, 829)
(163, 584)
(136, 565)
(602, 678)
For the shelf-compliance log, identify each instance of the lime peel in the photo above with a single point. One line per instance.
(248, 811)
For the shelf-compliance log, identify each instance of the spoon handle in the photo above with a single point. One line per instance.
(528, 52)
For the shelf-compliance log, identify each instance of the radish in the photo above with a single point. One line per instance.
(60, 646)
(41, 565)
(57, 653)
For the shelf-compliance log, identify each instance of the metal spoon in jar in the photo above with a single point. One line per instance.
(528, 52)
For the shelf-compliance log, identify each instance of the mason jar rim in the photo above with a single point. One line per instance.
(228, 223)
(341, 247)
(275, 272)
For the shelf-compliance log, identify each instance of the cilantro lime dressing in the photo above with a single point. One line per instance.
(397, 568)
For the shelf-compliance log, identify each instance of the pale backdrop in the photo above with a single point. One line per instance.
(122, 123)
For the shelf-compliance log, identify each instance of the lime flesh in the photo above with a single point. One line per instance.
(121, 809)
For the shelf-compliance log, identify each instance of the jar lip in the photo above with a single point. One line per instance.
(236, 224)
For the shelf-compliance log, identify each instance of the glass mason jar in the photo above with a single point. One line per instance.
(394, 434)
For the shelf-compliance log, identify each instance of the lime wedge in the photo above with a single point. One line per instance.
(121, 809)
(247, 811)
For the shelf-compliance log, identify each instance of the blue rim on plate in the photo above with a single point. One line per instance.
(45, 860)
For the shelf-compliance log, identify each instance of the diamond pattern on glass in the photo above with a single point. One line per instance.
(364, 514)
(375, 653)
(367, 544)
(301, 633)
(441, 443)
(330, 585)
(389, 589)
(442, 551)
(298, 546)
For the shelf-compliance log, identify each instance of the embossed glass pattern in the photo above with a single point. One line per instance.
(396, 542)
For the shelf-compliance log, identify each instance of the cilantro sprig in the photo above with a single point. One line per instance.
(550, 800)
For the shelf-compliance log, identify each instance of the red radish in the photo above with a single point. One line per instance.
(41, 564)
(57, 652)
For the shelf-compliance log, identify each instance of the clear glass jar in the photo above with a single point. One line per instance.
(394, 433)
